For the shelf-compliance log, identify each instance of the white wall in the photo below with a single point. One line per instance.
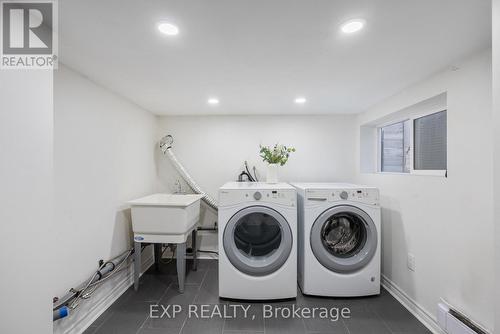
(103, 157)
(26, 201)
(213, 149)
(445, 222)
(496, 113)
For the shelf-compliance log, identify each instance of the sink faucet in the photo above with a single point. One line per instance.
(178, 187)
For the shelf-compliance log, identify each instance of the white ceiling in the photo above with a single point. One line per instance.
(256, 56)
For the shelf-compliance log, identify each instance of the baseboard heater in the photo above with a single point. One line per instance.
(454, 322)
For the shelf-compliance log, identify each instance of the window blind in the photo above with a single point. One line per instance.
(429, 137)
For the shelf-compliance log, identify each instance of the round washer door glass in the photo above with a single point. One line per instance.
(257, 240)
(344, 238)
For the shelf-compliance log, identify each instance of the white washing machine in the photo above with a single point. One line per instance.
(257, 241)
(339, 239)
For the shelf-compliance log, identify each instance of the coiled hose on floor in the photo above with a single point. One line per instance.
(64, 305)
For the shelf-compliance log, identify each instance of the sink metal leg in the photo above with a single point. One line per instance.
(181, 265)
(195, 250)
(157, 251)
(137, 264)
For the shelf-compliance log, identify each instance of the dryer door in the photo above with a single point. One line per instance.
(344, 238)
(257, 240)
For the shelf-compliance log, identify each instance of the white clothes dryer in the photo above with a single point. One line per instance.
(257, 241)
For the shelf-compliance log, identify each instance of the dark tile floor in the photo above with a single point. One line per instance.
(130, 313)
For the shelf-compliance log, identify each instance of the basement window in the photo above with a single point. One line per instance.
(395, 147)
(416, 145)
(429, 141)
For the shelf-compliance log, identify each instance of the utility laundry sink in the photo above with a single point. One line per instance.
(165, 218)
(164, 214)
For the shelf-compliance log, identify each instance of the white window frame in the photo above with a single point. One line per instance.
(412, 171)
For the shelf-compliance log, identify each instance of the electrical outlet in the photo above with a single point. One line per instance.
(411, 262)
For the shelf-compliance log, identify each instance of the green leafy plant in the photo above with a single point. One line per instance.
(279, 154)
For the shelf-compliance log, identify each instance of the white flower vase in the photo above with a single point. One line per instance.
(272, 173)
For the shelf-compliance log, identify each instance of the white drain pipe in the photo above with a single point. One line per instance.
(166, 147)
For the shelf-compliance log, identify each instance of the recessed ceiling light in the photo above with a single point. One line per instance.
(300, 100)
(352, 26)
(213, 101)
(168, 28)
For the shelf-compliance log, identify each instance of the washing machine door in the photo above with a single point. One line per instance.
(257, 240)
(344, 238)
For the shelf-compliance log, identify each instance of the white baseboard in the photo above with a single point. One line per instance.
(412, 306)
(89, 310)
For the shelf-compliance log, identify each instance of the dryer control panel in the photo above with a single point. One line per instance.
(286, 197)
(359, 195)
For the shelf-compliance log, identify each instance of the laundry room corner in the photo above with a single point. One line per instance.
(96, 132)
(422, 214)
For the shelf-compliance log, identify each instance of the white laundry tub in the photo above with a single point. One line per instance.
(164, 214)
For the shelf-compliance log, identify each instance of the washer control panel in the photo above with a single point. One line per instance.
(284, 197)
(360, 195)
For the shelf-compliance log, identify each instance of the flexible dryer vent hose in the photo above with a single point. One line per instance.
(166, 147)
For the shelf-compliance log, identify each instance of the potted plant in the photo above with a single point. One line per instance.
(276, 156)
